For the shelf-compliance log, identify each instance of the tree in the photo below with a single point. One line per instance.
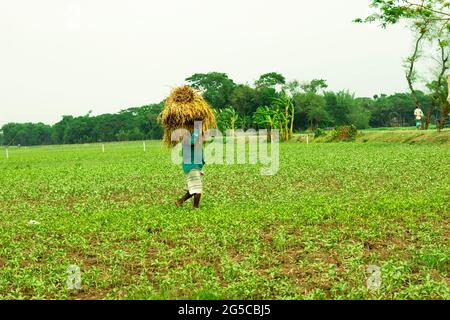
(429, 19)
(411, 61)
(315, 86)
(244, 99)
(439, 87)
(128, 124)
(393, 11)
(286, 105)
(26, 134)
(359, 116)
(292, 87)
(402, 104)
(266, 118)
(245, 122)
(270, 80)
(339, 105)
(314, 106)
(312, 103)
(227, 119)
(265, 96)
(217, 88)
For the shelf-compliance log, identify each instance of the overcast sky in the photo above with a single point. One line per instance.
(62, 57)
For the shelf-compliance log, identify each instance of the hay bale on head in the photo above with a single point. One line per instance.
(182, 109)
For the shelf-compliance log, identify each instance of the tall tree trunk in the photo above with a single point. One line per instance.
(428, 120)
(436, 99)
(300, 122)
(410, 71)
(444, 105)
(281, 127)
(444, 115)
(286, 123)
(291, 132)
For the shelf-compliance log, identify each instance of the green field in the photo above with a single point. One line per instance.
(309, 232)
(406, 136)
(397, 135)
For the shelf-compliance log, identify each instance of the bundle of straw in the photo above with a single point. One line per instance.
(182, 109)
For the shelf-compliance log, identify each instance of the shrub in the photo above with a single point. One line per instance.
(319, 133)
(345, 133)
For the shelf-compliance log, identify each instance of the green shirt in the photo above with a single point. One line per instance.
(193, 154)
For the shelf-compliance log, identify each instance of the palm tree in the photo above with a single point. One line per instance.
(286, 104)
(227, 119)
(245, 122)
(268, 119)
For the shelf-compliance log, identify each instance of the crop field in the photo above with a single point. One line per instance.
(309, 232)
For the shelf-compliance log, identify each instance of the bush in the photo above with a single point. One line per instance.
(319, 133)
(345, 133)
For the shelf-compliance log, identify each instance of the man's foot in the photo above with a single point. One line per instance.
(197, 197)
(186, 197)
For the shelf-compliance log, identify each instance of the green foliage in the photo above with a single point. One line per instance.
(244, 99)
(339, 105)
(314, 106)
(392, 11)
(359, 116)
(298, 106)
(285, 107)
(227, 118)
(345, 133)
(270, 80)
(315, 86)
(394, 110)
(266, 118)
(26, 134)
(245, 122)
(429, 20)
(311, 231)
(217, 88)
(130, 124)
(319, 133)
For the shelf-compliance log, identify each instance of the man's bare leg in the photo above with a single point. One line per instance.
(182, 200)
(197, 197)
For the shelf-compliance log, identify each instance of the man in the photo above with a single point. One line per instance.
(193, 162)
(418, 114)
(186, 109)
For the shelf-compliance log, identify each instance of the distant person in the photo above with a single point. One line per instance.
(418, 113)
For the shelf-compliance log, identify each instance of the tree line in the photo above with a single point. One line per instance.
(270, 103)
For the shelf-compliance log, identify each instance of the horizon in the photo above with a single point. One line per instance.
(93, 114)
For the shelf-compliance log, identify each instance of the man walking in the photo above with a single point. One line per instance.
(418, 113)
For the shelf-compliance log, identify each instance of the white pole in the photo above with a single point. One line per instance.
(307, 139)
(145, 147)
(7, 153)
(103, 148)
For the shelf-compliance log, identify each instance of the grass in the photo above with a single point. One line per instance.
(310, 232)
(412, 128)
(396, 135)
(412, 136)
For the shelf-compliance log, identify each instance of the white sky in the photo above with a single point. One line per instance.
(62, 57)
